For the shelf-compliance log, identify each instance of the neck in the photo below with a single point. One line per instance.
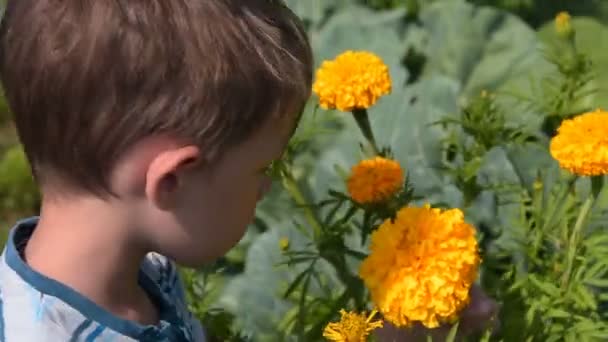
(86, 245)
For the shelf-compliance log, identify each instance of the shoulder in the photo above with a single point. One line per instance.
(17, 323)
(23, 311)
(33, 332)
(51, 322)
(28, 331)
(27, 315)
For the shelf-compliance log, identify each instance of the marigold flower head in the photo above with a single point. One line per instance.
(421, 266)
(354, 80)
(562, 24)
(375, 180)
(581, 144)
(352, 327)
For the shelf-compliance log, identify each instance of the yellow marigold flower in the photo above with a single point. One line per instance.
(421, 266)
(354, 80)
(581, 144)
(562, 24)
(374, 180)
(353, 327)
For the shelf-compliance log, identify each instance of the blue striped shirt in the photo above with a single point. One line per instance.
(34, 308)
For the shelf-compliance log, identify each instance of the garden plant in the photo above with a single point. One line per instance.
(447, 147)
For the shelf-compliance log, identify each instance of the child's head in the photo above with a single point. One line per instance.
(171, 109)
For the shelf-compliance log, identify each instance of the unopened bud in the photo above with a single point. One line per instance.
(284, 243)
(563, 25)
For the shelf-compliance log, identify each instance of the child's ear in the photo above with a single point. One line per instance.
(165, 174)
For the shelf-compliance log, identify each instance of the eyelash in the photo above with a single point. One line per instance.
(269, 168)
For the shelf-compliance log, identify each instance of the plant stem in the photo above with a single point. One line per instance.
(351, 282)
(294, 190)
(362, 120)
(300, 324)
(572, 243)
(552, 212)
(561, 201)
(596, 186)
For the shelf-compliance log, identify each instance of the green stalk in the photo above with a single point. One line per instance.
(362, 120)
(553, 210)
(300, 324)
(350, 281)
(294, 190)
(573, 241)
(558, 207)
(596, 187)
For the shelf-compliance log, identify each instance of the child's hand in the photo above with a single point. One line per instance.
(480, 315)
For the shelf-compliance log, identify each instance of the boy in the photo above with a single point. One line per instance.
(149, 125)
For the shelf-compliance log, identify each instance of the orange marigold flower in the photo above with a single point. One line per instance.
(375, 180)
(354, 80)
(352, 327)
(581, 144)
(421, 266)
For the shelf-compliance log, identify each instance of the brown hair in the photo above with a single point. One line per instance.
(85, 80)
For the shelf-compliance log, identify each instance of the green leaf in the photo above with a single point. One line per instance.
(301, 321)
(296, 282)
(584, 297)
(596, 240)
(312, 12)
(356, 254)
(476, 45)
(260, 288)
(18, 191)
(359, 28)
(557, 313)
(546, 287)
(452, 334)
(597, 282)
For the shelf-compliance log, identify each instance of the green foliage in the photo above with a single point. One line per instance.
(3, 233)
(18, 191)
(537, 12)
(533, 12)
(475, 46)
(531, 266)
(460, 149)
(551, 279)
(543, 234)
(201, 288)
(585, 49)
(384, 4)
(481, 127)
(4, 111)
